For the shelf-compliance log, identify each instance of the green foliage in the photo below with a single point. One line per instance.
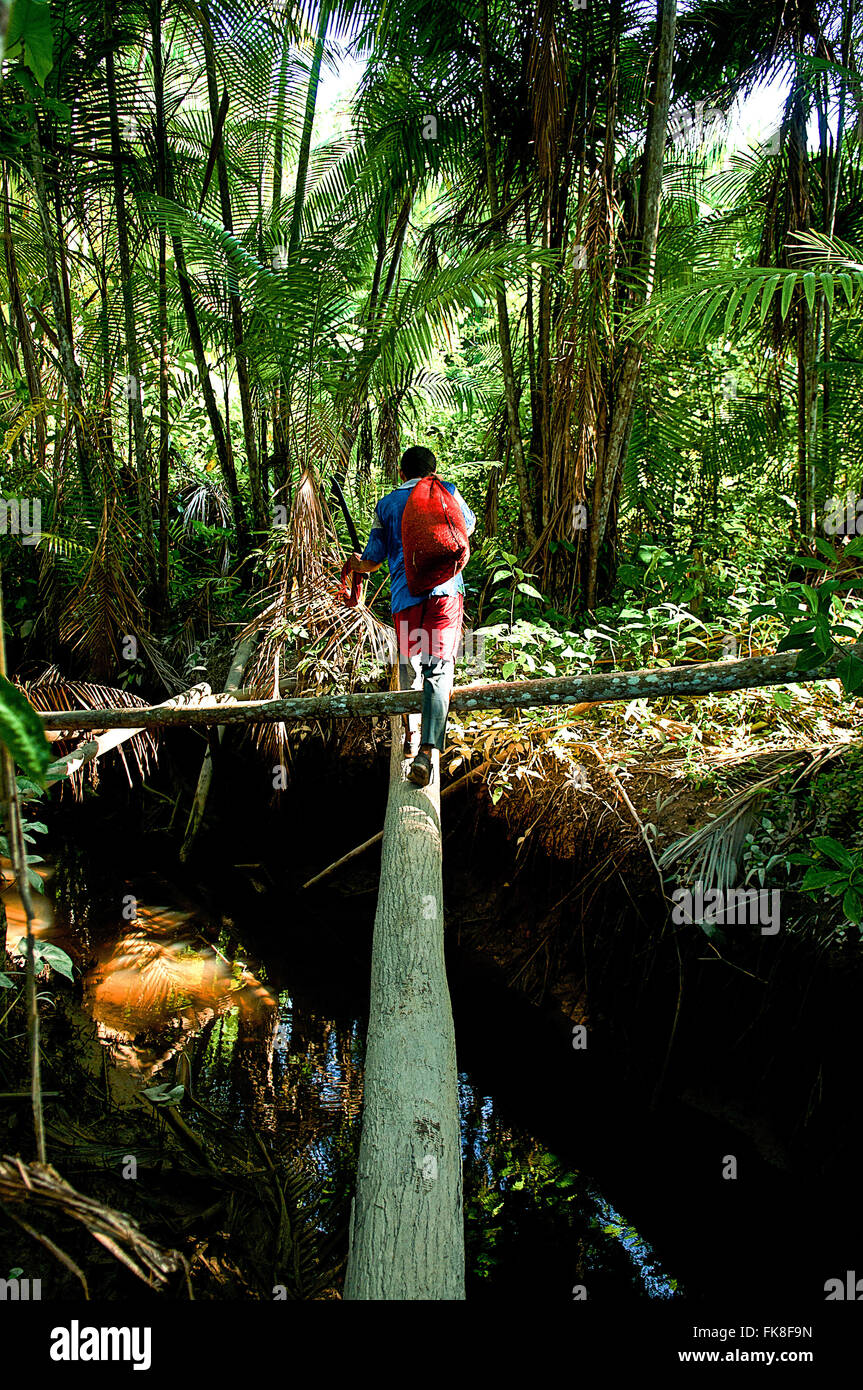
(46, 953)
(836, 871)
(823, 884)
(29, 38)
(22, 733)
(808, 614)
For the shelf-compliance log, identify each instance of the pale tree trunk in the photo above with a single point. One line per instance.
(407, 1224)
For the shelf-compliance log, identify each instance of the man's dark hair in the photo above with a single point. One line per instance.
(417, 462)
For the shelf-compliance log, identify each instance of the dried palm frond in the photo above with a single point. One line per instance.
(40, 1188)
(711, 854)
(307, 634)
(51, 691)
(205, 500)
(104, 605)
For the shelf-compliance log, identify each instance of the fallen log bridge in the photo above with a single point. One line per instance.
(704, 678)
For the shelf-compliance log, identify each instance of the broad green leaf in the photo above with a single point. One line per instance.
(832, 848)
(56, 958)
(827, 286)
(732, 305)
(787, 292)
(850, 673)
(30, 26)
(767, 295)
(823, 878)
(751, 296)
(5, 982)
(793, 642)
(811, 594)
(852, 906)
(44, 953)
(809, 288)
(21, 731)
(809, 659)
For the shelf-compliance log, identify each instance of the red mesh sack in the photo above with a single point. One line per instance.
(434, 536)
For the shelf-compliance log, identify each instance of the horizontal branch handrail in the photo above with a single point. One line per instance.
(704, 678)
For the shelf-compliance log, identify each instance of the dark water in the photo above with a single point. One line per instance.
(531, 1220)
(275, 1044)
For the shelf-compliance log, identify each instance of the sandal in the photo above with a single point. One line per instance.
(420, 770)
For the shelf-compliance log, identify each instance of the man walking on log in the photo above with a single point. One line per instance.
(428, 625)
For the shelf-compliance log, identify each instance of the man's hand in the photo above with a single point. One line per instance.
(361, 566)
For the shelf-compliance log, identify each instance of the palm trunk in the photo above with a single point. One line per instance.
(801, 205)
(139, 433)
(306, 138)
(504, 336)
(610, 463)
(374, 315)
(162, 188)
(23, 332)
(259, 507)
(71, 372)
(226, 466)
(279, 144)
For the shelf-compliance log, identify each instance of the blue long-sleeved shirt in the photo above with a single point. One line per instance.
(385, 543)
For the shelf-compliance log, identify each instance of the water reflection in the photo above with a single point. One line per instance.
(271, 1061)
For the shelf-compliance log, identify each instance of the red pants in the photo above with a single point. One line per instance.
(430, 629)
(428, 636)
